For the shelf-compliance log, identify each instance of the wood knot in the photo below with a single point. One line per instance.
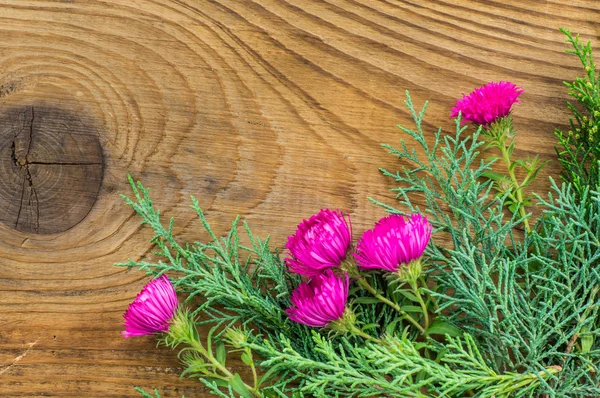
(50, 168)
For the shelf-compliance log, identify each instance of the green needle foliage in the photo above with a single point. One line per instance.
(395, 366)
(240, 284)
(530, 306)
(246, 286)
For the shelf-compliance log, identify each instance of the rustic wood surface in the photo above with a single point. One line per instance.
(267, 108)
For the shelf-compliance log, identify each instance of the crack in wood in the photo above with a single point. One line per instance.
(21, 205)
(18, 358)
(25, 164)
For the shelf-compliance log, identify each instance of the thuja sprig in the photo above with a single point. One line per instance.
(394, 366)
(524, 308)
(239, 284)
(585, 90)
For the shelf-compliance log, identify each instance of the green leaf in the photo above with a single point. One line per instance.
(494, 176)
(247, 358)
(144, 394)
(217, 381)
(411, 308)
(370, 326)
(587, 341)
(514, 164)
(408, 294)
(366, 300)
(221, 353)
(239, 386)
(390, 328)
(511, 149)
(443, 328)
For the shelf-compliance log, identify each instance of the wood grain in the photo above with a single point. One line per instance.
(268, 109)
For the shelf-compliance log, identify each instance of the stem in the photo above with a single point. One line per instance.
(430, 298)
(526, 379)
(360, 333)
(415, 289)
(198, 347)
(576, 336)
(518, 191)
(571, 344)
(363, 283)
(254, 375)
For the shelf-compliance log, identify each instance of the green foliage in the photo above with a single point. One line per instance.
(395, 366)
(207, 362)
(526, 304)
(148, 395)
(520, 311)
(240, 285)
(579, 149)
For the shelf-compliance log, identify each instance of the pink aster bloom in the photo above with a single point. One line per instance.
(487, 103)
(152, 309)
(320, 242)
(393, 242)
(320, 301)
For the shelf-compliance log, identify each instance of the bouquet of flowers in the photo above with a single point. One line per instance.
(471, 296)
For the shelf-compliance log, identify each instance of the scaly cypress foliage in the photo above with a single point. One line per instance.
(530, 306)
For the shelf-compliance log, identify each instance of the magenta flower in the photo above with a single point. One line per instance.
(321, 301)
(487, 103)
(152, 309)
(320, 242)
(393, 242)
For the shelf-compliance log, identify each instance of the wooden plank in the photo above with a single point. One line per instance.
(270, 109)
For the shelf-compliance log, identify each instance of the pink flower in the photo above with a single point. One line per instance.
(393, 242)
(152, 309)
(487, 103)
(320, 242)
(320, 301)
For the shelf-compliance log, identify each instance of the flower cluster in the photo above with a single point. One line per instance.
(321, 250)
(322, 244)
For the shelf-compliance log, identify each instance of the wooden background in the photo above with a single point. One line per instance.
(271, 109)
